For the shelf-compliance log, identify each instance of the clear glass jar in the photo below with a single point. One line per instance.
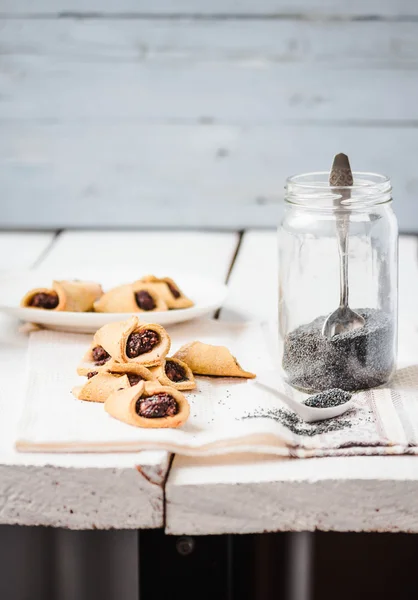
(309, 282)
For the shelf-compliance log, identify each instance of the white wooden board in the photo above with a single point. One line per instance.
(275, 8)
(192, 122)
(192, 251)
(267, 71)
(247, 494)
(253, 289)
(256, 495)
(183, 175)
(19, 250)
(119, 490)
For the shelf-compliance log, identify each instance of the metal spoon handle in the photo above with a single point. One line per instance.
(341, 178)
(341, 181)
(342, 234)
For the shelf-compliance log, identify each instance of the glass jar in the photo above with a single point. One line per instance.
(309, 282)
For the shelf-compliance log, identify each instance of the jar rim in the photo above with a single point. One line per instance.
(312, 190)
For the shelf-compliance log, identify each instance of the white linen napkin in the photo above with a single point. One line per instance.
(227, 415)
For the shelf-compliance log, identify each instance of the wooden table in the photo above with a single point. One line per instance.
(188, 496)
(122, 491)
(203, 496)
(247, 494)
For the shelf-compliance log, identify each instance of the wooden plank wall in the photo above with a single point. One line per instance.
(192, 113)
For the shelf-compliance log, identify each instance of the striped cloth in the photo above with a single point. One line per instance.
(385, 421)
(227, 415)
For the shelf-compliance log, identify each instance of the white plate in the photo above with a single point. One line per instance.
(208, 295)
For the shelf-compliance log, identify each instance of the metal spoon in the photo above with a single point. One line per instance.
(307, 413)
(344, 318)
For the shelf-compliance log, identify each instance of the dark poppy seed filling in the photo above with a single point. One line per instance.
(100, 356)
(174, 371)
(173, 290)
(141, 342)
(157, 406)
(134, 379)
(91, 374)
(144, 300)
(356, 360)
(45, 300)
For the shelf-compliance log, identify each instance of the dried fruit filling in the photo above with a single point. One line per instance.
(157, 406)
(174, 371)
(141, 342)
(134, 379)
(144, 300)
(173, 290)
(45, 300)
(100, 356)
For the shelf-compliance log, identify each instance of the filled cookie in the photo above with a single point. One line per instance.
(175, 373)
(148, 405)
(204, 359)
(132, 342)
(168, 290)
(71, 296)
(129, 298)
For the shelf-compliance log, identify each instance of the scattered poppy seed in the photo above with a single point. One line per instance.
(296, 425)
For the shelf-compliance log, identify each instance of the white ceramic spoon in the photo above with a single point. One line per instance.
(307, 413)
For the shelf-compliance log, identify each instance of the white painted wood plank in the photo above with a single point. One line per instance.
(119, 490)
(268, 71)
(247, 494)
(193, 251)
(314, 8)
(257, 94)
(117, 174)
(258, 494)
(256, 266)
(20, 250)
